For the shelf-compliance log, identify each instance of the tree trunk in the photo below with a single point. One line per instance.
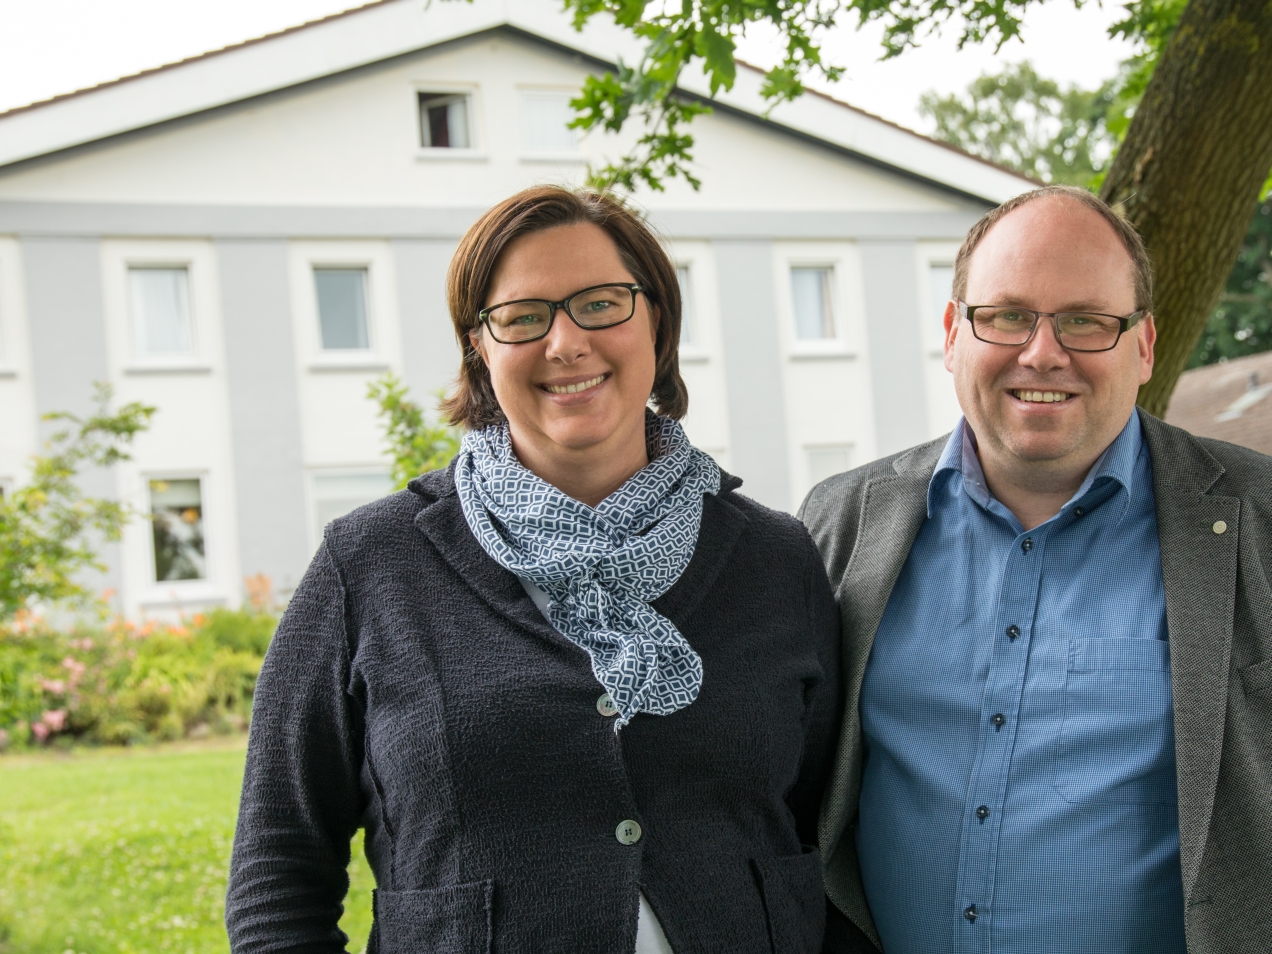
(1188, 175)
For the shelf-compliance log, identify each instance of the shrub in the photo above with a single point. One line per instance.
(121, 683)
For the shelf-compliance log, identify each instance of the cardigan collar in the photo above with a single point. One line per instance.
(442, 521)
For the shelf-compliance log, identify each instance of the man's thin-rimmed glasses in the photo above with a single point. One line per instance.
(1075, 330)
(529, 319)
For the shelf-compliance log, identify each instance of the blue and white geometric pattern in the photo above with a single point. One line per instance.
(601, 567)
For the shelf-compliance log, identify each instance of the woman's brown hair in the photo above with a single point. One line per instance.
(473, 404)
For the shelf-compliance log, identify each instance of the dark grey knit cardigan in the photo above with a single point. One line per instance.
(414, 689)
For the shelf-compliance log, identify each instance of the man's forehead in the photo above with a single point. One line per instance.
(1052, 244)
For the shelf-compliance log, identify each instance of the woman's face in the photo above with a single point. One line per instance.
(611, 370)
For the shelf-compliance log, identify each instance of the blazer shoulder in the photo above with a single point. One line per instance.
(374, 526)
(1246, 472)
(829, 499)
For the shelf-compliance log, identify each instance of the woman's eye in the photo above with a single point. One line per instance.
(529, 318)
(595, 306)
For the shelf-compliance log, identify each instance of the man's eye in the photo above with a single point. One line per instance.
(1012, 316)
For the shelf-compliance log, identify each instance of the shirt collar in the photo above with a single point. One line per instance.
(1115, 465)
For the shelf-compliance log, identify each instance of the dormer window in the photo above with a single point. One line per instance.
(444, 119)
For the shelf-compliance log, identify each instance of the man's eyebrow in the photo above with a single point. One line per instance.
(1080, 305)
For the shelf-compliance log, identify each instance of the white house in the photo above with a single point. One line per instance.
(247, 238)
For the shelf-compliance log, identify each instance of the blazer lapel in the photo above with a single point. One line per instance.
(893, 509)
(1199, 569)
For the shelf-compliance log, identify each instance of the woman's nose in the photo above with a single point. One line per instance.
(566, 341)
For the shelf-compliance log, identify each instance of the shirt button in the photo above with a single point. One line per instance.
(1026, 544)
(1078, 511)
(970, 912)
(983, 812)
(1220, 526)
(1013, 631)
(605, 705)
(999, 720)
(627, 832)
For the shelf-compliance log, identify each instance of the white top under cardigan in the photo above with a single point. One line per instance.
(650, 938)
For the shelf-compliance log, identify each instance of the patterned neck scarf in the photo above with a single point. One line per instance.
(602, 566)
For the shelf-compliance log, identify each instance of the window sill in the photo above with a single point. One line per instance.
(538, 158)
(822, 354)
(444, 154)
(169, 368)
(179, 593)
(693, 357)
(8, 372)
(368, 362)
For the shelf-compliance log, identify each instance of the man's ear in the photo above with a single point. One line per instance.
(1147, 339)
(952, 325)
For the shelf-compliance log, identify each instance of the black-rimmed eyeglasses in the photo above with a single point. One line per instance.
(1075, 330)
(529, 319)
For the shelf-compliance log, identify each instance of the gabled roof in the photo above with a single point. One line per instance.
(389, 28)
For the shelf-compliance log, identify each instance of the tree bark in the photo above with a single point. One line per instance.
(1188, 175)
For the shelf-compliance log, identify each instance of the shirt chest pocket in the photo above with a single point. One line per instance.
(1117, 735)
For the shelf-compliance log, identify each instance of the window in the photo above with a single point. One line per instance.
(824, 462)
(176, 514)
(160, 300)
(444, 121)
(342, 308)
(545, 122)
(810, 293)
(940, 285)
(335, 495)
(688, 320)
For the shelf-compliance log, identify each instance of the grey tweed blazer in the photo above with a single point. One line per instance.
(1214, 516)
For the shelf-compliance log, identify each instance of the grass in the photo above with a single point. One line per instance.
(125, 851)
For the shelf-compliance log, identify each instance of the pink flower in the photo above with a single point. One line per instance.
(40, 731)
(54, 686)
(55, 719)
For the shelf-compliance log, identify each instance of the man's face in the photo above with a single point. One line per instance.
(1050, 255)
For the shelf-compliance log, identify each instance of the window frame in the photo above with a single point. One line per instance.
(312, 477)
(161, 359)
(529, 91)
(475, 150)
(179, 590)
(335, 353)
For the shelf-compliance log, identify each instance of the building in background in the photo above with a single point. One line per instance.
(247, 238)
(1231, 401)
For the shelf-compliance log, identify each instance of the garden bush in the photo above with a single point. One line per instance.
(118, 682)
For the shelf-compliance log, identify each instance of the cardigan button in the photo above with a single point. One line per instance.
(605, 705)
(627, 832)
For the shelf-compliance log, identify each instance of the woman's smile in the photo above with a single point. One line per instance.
(574, 385)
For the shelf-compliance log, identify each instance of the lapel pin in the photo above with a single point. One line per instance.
(1219, 526)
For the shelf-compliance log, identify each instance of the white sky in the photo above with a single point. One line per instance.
(56, 46)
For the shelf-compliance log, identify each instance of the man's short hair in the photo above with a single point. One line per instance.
(1131, 240)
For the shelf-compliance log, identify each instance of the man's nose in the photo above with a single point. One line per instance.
(1043, 352)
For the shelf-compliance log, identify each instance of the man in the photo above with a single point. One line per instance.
(1058, 625)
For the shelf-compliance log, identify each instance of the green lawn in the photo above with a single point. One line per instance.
(126, 851)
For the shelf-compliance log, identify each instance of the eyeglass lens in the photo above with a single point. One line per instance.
(592, 308)
(1078, 331)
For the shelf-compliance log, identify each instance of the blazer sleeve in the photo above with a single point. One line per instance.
(825, 699)
(301, 801)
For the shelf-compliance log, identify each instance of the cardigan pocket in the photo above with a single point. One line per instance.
(794, 900)
(451, 920)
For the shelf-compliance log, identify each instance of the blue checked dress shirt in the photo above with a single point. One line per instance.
(1019, 784)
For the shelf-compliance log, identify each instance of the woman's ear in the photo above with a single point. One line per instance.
(478, 341)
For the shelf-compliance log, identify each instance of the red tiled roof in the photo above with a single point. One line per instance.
(1230, 401)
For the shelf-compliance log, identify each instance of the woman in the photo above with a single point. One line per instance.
(581, 694)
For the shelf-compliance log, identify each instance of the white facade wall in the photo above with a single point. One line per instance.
(331, 174)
